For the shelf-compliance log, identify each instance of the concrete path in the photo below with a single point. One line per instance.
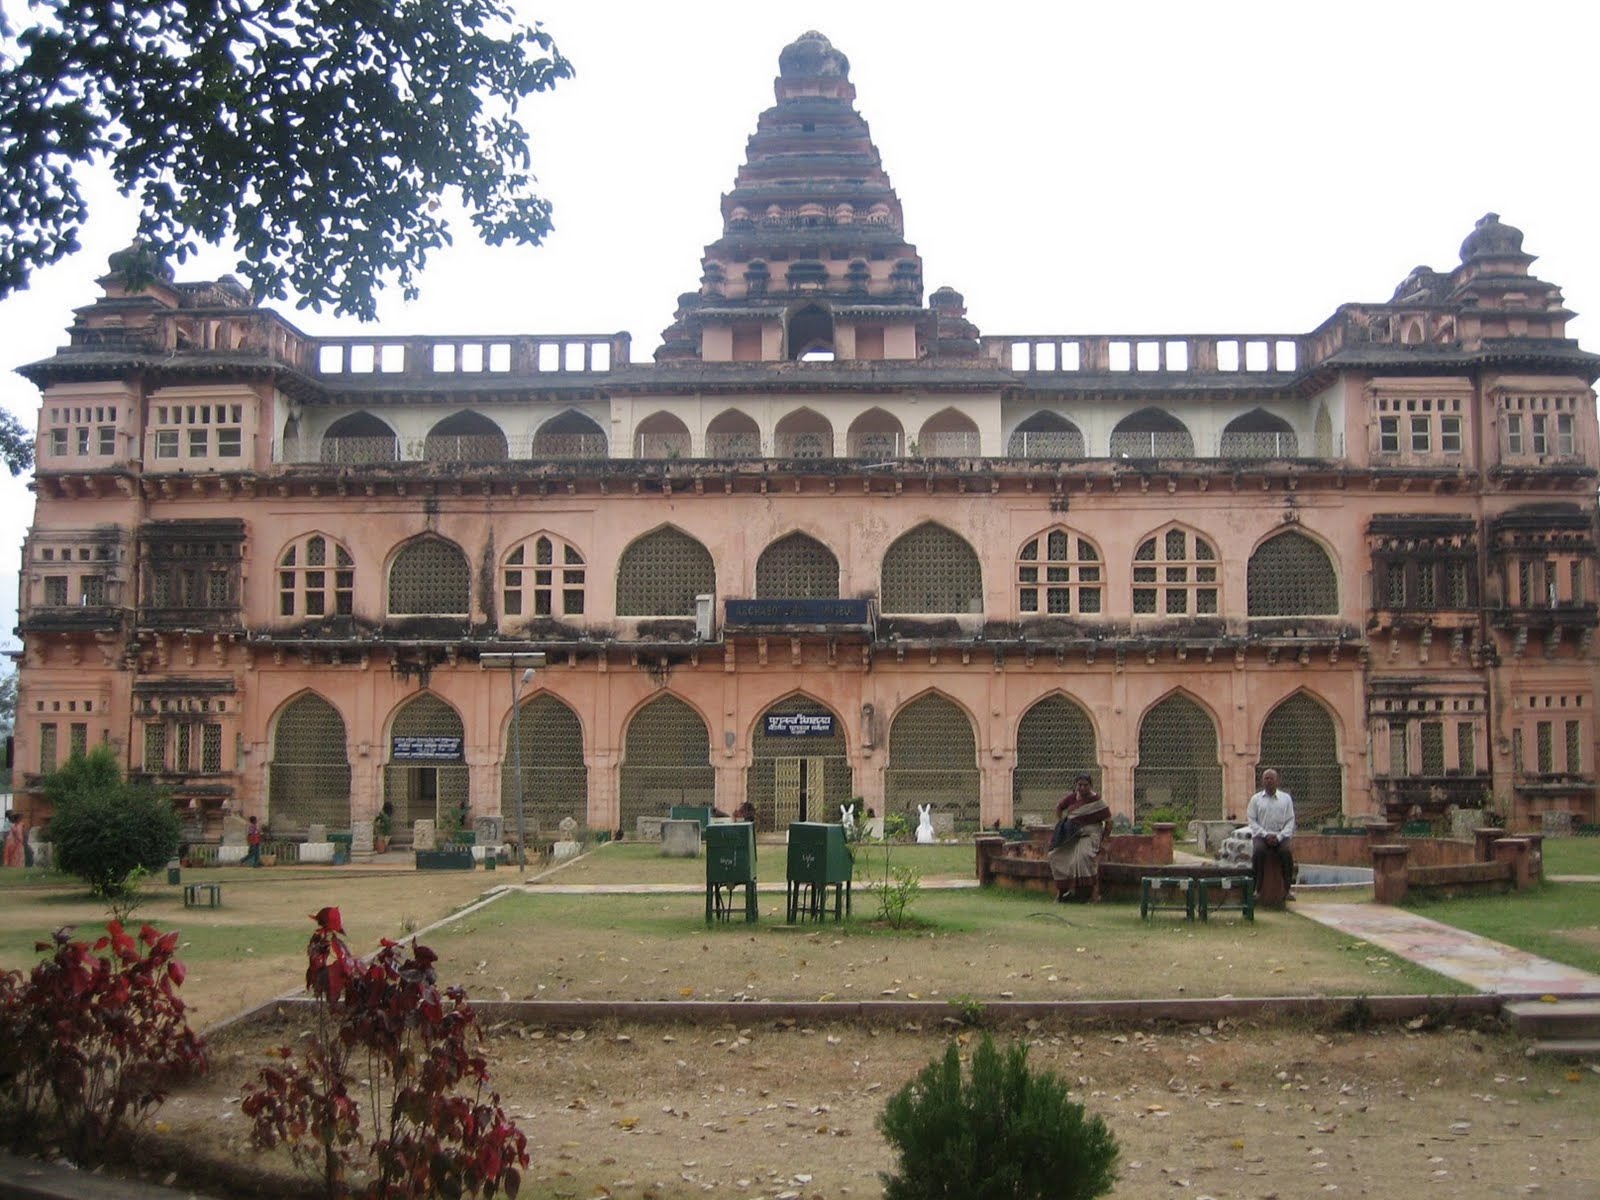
(1479, 962)
(698, 889)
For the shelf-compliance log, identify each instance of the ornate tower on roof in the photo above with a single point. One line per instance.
(813, 260)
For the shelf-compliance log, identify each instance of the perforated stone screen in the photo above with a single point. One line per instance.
(931, 570)
(775, 779)
(1055, 742)
(933, 760)
(797, 567)
(430, 577)
(555, 779)
(662, 573)
(309, 775)
(1178, 764)
(1300, 742)
(666, 761)
(1290, 576)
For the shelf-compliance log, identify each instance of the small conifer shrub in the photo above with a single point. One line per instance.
(1007, 1131)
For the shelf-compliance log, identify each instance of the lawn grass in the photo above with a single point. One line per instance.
(643, 862)
(987, 945)
(1572, 856)
(1560, 921)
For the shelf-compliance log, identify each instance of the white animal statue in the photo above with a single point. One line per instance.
(925, 824)
(847, 818)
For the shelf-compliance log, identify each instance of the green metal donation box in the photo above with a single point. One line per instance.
(819, 858)
(691, 812)
(730, 864)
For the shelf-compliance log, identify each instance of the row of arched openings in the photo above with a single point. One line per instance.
(932, 759)
(929, 569)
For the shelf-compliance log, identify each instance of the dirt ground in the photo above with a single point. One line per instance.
(654, 1113)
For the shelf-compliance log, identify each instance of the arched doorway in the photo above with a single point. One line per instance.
(666, 761)
(308, 778)
(425, 775)
(1055, 742)
(1179, 770)
(1300, 742)
(933, 759)
(800, 765)
(555, 779)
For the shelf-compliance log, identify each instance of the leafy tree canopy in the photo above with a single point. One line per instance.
(103, 826)
(317, 135)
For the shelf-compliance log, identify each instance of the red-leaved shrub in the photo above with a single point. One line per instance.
(388, 1040)
(94, 1037)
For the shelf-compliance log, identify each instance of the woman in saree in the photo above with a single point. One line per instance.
(1081, 823)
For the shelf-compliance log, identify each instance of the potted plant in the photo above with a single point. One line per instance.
(382, 826)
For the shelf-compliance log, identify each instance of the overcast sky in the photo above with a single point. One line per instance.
(1076, 168)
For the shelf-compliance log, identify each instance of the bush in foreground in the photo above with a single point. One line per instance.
(387, 1037)
(1007, 1132)
(104, 827)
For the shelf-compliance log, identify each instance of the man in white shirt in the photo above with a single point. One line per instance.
(1271, 819)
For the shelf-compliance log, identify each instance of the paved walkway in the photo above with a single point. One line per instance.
(1479, 962)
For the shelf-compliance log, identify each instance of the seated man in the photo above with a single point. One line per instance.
(1271, 820)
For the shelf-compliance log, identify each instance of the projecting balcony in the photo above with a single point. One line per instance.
(455, 448)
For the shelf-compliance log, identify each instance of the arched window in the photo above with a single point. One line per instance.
(1290, 576)
(811, 334)
(308, 778)
(555, 779)
(933, 759)
(467, 437)
(1046, 435)
(1059, 572)
(662, 435)
(804, 434)
(430, 577)
(949, 434)
(1299, 741)
(1151, 433)
(666, 760)
(875, 435)
(542, 577)
(310, 584)
(359, 438)
(570, 435)
(798, 779)
(797, 567)
(931, 570)
(1324, 433)
(1055, 741)
(733, 434)
(1259, 434)
(1179, 769)
(661, 573)
(1175, 573)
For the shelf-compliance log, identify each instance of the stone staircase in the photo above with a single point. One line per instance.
(1563, 1029)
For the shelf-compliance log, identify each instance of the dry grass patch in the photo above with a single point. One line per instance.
(642, 862)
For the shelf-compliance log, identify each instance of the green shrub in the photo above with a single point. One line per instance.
(1007, 1132)
(103, 827)
(1177, 816)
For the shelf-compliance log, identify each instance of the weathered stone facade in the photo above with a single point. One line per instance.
(955, 568)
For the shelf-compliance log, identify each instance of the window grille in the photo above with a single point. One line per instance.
(1517, 758)
(931, 570)
(1399, 749)
(555, 780)
(77, 739)
(1574, 747)
(1046, 435)
(155, 747)
(1055, 741)
(932, 760)
(666, 761)
(1178, 763)
(797, 567)
(430, 577)
(181, 759)
(94, 590)
(1299, 741)
(1290, 576)
(549, 588)
(1466, 753)
(210, 749)
(827, 758)
(662, 573)
(1185, 581)
(305, 584)
(55, 591)
(467, 437)
(1059, 572)
(47, 747)
(1545, 736)
(309, 775)
(426, 791)
(1432, 747)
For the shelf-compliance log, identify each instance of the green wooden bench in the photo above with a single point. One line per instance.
(1156, 895)
(1220, 888)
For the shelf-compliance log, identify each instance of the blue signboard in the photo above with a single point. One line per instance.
(425, 749)
(798, 612)
(799, 724)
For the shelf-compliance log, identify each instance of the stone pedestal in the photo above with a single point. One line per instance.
(944, 824)
(360, 837)
(988, 849)
(1162, 831)
(1515, 851)
(1380, 833)
(648, 829)
(1484, 840)
(565, 850)
(316, 833)
(1209, 835)
(235, 830)
(680, 839)
(1389, 873)
(424, 836)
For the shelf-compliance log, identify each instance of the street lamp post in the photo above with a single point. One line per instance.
(528, 662)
